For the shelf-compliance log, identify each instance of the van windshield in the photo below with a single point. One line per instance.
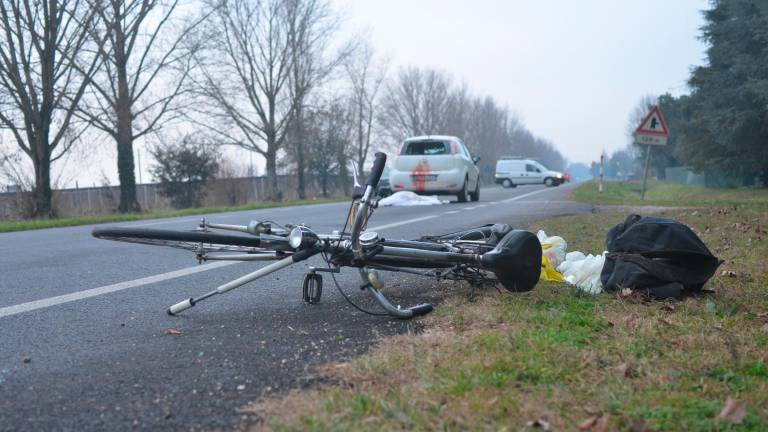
(425, 148)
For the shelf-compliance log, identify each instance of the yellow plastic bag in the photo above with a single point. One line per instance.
(548, 273)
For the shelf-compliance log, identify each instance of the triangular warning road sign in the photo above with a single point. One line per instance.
(653, 123)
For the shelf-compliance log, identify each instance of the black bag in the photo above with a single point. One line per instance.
(656, 256)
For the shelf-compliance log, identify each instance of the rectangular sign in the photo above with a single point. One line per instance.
(644, 139)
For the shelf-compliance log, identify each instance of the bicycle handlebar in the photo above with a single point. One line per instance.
(377, 170)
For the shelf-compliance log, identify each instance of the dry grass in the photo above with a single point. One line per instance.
(600, 362)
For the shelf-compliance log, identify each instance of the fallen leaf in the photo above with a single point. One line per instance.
(764, 328)
(627, 370)
(625, 292)
(602, 423)
(668, 306)
(630, 321)
(733, 412)
(588, 423)
(173, 332)
(639, 425)
(542, 423)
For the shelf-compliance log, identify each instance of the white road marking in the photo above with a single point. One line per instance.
(93, 292)
(405, 222)
(165, 222)
(519, 197)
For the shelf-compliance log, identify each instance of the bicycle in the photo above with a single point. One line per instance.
(485, 255)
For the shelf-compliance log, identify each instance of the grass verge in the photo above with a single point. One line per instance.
(668, 194)
(574, 361)
(92, 220)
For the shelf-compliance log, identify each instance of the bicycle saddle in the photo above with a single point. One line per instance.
(516, 260)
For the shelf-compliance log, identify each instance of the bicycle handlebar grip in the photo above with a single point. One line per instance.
(377, 170)
(180, 307)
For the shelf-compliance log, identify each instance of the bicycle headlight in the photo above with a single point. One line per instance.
(302, 237)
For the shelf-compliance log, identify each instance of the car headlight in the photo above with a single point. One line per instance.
(302, 237)
(559, 175)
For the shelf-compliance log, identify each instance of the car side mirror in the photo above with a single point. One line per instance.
(538, 170)
(476, 159)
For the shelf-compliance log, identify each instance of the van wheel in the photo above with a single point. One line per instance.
(507, 183)
(475, 196)
(462, 195)
(549, 182)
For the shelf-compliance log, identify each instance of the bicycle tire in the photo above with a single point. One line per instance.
(188, 240)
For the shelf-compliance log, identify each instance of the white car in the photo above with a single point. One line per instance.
(436, 165)
(514, 172)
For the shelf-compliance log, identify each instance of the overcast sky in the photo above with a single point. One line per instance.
(572, 70)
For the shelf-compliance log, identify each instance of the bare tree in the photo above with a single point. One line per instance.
(329, 128)
(311, 25)
(366, 76)
(244, 78)
(142, 51)
(43, 75)
(416, 103)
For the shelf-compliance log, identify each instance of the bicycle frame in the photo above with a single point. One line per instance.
(513, 256)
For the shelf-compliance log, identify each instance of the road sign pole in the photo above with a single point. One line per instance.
(645, 174)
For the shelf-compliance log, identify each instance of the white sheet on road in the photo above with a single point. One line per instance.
(408, 198)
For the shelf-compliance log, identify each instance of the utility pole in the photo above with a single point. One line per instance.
(138, 162)
(602, 172)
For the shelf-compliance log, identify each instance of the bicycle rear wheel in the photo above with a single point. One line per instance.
(187, 240)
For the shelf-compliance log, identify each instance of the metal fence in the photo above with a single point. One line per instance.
(219, 193)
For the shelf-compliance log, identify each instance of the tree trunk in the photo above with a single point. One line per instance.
(42, 193)
(300, 163)
(274, 190)
(125, 167)
(325, 185)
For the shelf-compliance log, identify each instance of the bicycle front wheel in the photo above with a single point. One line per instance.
(194, 241)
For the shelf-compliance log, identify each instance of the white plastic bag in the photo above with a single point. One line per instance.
(555, 253)
(583, 271)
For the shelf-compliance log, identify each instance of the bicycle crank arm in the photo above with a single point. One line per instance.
(271, 268)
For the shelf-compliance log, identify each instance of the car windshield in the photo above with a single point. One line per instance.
(425, 148)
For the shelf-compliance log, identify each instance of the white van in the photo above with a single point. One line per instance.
(514, 172)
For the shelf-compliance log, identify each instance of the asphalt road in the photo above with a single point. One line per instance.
(83, 329)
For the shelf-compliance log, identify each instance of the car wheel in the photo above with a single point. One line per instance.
(462, 195)
(507, 183)
(549, 182)
(475, 196)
